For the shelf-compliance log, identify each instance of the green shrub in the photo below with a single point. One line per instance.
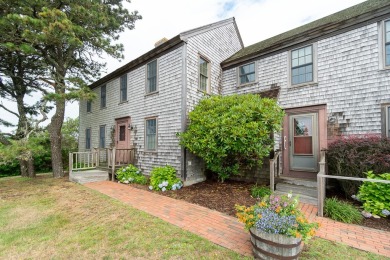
(260, 191)
(376, 196)
(354, 155)
(341, 211)
(131, 174)
(232, 133)
(164, 178)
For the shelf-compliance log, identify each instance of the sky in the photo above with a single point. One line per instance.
(256, 20)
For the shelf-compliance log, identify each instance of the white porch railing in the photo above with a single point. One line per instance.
(275, 169)
(108, 158)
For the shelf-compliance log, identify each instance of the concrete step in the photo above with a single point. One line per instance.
(88, 176)
(302, 198)
(297, 189)
(296, 181)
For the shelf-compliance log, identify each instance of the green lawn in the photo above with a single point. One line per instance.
(47, 218)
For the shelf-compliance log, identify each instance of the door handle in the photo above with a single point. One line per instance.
(284, 142)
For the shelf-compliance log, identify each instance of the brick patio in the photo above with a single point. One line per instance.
(226, 231)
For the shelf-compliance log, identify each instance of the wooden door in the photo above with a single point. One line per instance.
(122, 137)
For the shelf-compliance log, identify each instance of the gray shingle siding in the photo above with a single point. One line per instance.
(216, 45)
(165, 105)
(350, 82)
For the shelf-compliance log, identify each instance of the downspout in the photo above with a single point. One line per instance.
(184, 110)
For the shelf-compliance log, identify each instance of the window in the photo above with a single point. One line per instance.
(388, 121)
(151, 134)
(122, 133)
(387, 43)
(103, 96)
(151, 83)
(203, 74)
(88, 138)
(102, 136)
(302, 65)
(246, 73)
(89, 106)
(123, 88)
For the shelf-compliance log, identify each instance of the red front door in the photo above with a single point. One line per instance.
(122, 138)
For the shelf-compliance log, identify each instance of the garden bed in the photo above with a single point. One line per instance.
(223, 196)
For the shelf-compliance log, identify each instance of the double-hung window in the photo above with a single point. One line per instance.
(151, 77)
(89, 106)
(302, 65)
(246, 73)
(387, 43)
(123, 88)
(88, 138)
(103, 96)
(151, 134)
(203, 74)
(386, 120)
(102, 136)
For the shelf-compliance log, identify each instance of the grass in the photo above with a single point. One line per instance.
(56, 219)
(341, 211)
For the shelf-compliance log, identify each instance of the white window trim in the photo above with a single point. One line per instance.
(382, 45)
(315, 68)
(157, 77)
(90, 102)
(248, 83)
(208, 87)
(387, 123)
(146, 119)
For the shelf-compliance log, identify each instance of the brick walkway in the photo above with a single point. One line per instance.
(226, 231)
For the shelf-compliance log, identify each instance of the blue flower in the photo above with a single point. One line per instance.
(163, 189)
(386, 212)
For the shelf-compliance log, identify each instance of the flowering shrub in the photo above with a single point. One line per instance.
(164, 178)
(354, 155)
(277, 215)
(131, 174)
(376, 196)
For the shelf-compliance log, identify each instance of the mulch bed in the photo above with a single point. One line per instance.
(223, 196)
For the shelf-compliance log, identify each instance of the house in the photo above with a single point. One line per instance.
(144, 104)
(331, 76)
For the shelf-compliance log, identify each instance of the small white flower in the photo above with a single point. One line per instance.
(289, 195)
(126, 182)
(160, 185)
(163, 189)
(150, 187)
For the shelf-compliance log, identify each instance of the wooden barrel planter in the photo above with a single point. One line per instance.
(274, 246)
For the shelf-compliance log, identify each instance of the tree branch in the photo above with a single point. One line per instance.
(9, 111)
(44, 117)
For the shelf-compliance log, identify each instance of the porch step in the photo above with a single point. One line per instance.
(88, 176)
(297, 181)
(302, 198)
(305, 189)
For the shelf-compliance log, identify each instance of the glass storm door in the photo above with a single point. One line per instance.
(303, 149)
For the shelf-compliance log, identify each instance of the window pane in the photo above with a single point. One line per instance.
(387, 25)
(103, 96)
(102, 135)
(122, 133)
(294, 54)
(303, 130)
(295, 62)
(308, 59)
(388, 36)
(301, 60)
(247, 73)
(123, 88)
(89, 106)
(308, 50)
(151, 134)
(301, 52)
(88, 138)
(387, 54)
(152, 76)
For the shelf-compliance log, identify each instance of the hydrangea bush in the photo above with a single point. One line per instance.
(277, 215)
(375, 196)
(164, 178)
(131, 174)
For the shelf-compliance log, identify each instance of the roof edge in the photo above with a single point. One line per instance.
(141, 59)
(187, 34)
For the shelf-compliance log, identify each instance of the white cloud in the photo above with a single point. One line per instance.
(256, 19)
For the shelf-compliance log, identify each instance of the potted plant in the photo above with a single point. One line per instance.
(277, 227)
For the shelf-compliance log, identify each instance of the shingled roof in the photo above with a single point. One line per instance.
(368, 11)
